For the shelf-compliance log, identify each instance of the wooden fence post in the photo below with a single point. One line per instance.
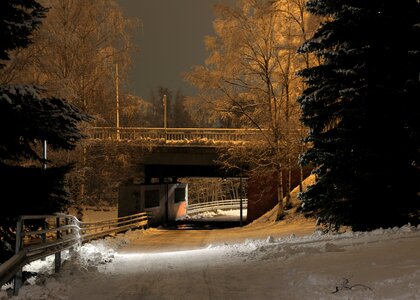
(57, 259)
(44, 235)
(17, 282)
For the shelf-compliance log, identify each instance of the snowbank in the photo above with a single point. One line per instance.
(215, 213)
(271, 216)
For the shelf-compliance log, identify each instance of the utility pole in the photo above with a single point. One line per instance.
(164, 116)
(164, 112)
(117, 102)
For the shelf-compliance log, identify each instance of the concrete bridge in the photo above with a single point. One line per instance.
(175, 137)
(178, 152)
(186, 152)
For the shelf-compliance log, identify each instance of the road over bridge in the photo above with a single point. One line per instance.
(178, 152)
(171, 153)
(167, 137)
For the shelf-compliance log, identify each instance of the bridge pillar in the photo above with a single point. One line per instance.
(165, 201)
(262, 194)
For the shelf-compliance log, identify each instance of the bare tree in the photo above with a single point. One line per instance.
(249, 80)
(136, 112)
(74, 56)
(75, 52)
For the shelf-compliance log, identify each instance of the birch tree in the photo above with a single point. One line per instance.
(74, 54)
(249, 80)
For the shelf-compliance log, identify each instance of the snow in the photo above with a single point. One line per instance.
(216, 213)
(278, 264)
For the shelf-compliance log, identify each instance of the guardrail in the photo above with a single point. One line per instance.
(172, 135)
(214, 205)
(59, 232)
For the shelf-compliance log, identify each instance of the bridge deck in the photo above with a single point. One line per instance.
(174, 136)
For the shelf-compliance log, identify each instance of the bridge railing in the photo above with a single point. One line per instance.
(59, 232)
(172, 135)
(215, 205)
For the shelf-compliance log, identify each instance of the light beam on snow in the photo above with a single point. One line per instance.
(168, 254)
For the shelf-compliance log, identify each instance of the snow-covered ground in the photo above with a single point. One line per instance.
(216, 213)
(383, 264)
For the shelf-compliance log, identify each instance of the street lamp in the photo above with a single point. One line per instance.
(44, 154)
(117, 102)
(164, 111)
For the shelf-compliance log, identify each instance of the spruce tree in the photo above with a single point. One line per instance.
(27, 118)
(361, 104)
(18, 19)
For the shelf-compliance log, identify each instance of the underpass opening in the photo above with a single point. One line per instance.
(214, 203)
(187, 202)
(164, 167)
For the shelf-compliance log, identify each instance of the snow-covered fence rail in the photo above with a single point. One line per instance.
(172, 135)
(215, 205)
(59, 232)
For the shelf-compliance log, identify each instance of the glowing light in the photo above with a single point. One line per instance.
(167, 254)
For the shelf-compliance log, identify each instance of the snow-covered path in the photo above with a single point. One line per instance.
(383, 264)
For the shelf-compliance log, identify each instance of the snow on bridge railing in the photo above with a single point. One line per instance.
(215, 205)
(57, 233)
(173, 136)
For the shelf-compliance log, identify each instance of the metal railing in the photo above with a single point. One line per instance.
(173, 136)
(215, 205)
(59, 232)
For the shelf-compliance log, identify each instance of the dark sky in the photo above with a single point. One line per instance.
(170, 41)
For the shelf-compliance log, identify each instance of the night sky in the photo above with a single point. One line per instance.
(170, 41)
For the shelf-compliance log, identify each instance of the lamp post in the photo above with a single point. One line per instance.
(164, 116)
(117, 102)
(164, 111)
(44, 167)
(44, 154)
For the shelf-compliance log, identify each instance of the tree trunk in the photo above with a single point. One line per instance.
(280, 211)
(82, 185)
(301, 179)
(289, 185)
